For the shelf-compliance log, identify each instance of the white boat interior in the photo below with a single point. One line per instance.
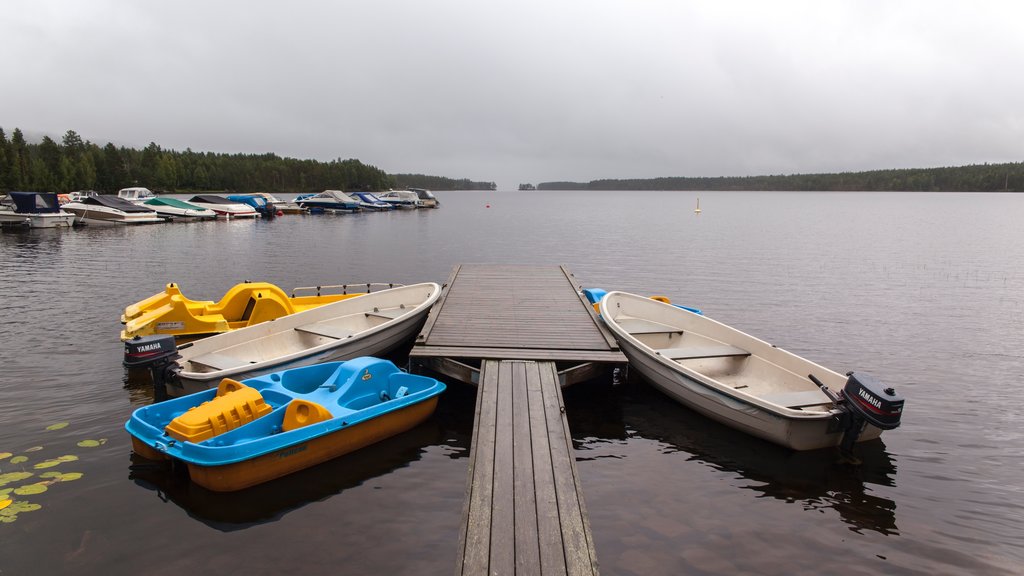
(306, 332)
(135, 194)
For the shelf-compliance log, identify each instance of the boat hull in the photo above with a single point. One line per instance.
(796, 434)
(699, 391)
(293, 341)
(287, 460)
(250, 432)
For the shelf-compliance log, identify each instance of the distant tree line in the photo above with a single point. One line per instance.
(77, 164)
(439, 183)
(973, 178)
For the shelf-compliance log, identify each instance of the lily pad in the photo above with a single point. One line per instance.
(50, 475)
(34, 449)
(30, 489)
(57, 426)
(69, 476)
(14, 477)
(47, 464)
(20, 506)
(90, 443)
(67, 458)
(8, 519)
(19, 459)
(5, 455)
(4, 492)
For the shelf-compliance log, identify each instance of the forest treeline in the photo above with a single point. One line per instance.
(77, 164)
(973, 178)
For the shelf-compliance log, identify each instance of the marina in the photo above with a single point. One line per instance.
(659, 488)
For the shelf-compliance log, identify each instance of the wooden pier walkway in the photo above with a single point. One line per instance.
(520, 333)
(524, 512)
(513, 313)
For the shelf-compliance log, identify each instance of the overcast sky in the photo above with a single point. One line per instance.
(530, 91)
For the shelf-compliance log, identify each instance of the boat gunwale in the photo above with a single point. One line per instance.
(408, 317)
(712, 384)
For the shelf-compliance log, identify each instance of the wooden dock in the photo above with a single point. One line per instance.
(520, 333)
(513, 313)
(524, 511)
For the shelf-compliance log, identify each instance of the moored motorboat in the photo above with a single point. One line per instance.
(401, 199)
(136, 194)
(427, 198)
(35, 210)
(747, 383)
(245, 304)
(372, 324)
(369, 202)
(174, 209)
(257, 203)
(330, 200)
(107, 210)
(223, 207)
(246, 433)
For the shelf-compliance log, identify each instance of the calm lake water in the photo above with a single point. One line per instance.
(924, 291)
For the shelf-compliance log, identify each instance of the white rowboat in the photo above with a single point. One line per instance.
(744, 382)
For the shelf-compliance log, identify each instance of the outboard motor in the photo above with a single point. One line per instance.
(159, 354)
(863, 400)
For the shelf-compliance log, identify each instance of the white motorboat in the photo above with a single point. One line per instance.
(136, 195)
(330, 200)
(283, 206)
(369, 325)
(109, 210)
(223, 207)
(427, 198)
(35, 210)
(175, 209)
(369, 202)
(747, 383)
(401, 199)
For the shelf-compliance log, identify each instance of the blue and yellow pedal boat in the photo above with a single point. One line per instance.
(245, 433)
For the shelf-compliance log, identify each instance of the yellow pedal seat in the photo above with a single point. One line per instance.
(301, 413)
(234, 405)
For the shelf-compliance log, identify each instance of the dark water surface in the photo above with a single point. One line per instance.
(924, 291)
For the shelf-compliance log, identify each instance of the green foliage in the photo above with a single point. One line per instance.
(439, 183)
(974, 178)
(77, 164)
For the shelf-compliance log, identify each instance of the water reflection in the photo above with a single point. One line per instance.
(451, 427)
(227, 511)
(815, 480)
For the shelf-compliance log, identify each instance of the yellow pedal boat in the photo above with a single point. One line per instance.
(245, 304)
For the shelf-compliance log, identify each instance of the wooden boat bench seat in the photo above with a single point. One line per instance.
(695, 352)
(389, 314)
(219, 361)
(797, 399)
(642, 326)
(325, 329)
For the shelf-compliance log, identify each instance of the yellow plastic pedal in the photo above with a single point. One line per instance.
(235, 405)
(301, 413)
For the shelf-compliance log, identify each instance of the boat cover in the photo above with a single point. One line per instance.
(211, 199)
(115, 202)
(172, 202)
(35, 202)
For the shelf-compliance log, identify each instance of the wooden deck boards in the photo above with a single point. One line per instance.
(524, 512)
(515, 312)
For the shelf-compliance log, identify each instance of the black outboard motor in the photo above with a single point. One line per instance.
(863, 400)
(159, 354)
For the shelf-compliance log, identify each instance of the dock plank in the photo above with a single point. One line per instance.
(525, 511)
(531, 307)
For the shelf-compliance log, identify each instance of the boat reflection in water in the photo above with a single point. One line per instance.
(227, 511)
(816, 480)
